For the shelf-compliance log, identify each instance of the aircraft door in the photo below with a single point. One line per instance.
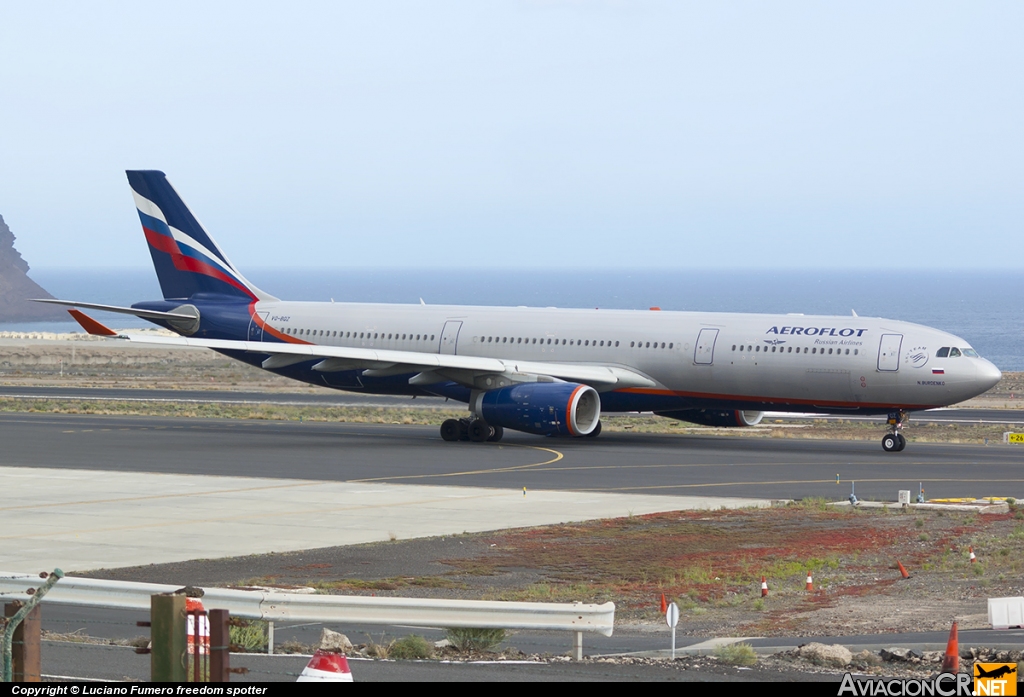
(704, 352)
(256, 328)
(889, 352)
(450, 337)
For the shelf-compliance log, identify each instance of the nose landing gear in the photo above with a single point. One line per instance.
(893, 441)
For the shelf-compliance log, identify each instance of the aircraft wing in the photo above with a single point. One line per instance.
(472, 371)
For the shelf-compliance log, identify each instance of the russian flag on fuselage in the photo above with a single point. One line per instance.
(187, 260)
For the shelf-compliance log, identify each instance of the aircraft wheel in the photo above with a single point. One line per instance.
(463, 429)
(902, 442)
(479, 430)
(596, 432)
(890, 443)
(496, 433)
(451, 430)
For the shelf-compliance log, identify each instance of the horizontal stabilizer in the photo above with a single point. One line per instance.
(144, 314)
(90, 325)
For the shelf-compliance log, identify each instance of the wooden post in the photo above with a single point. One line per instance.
(220, 646)
(26, 653)
(169, 657)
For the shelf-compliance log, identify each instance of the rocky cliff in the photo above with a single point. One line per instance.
(16, 287)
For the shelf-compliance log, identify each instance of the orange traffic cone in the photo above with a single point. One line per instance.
(764, 586)
(951, 661)
(664, 605)
(972, 557)
(810, 582)
(903, 569)
(326, 666)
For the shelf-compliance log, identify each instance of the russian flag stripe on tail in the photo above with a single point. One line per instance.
(186, 258)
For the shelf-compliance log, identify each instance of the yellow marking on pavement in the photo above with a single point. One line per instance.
(513, 468)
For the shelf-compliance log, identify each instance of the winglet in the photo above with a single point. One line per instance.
(90, 325)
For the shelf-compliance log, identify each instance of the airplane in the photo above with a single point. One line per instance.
(545, 371)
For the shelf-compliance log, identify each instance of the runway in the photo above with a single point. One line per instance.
(615, 462)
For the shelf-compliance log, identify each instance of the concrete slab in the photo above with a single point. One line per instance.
(86, 519)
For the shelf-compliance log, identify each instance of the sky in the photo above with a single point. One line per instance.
(529, 134)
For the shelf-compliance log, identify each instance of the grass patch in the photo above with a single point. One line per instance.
(249, 636)
(741, 654)
(412, 647)
(474, 639)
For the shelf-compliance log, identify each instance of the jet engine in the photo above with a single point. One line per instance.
(543, 408)
(716, 417)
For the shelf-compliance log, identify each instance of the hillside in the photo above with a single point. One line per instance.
(16, 287)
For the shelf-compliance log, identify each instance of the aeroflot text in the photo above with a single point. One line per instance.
(60, 690)
(816, 331)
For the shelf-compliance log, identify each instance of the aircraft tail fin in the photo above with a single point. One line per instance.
(186, 258)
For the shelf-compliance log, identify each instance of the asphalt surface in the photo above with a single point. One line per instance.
(614, 462)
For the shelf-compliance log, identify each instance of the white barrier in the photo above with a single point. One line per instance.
(1004, 613)
(334, 609)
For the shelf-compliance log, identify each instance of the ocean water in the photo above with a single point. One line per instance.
(985, 308)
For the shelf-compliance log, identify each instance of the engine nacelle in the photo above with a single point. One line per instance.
(543, 408)
(716, 417)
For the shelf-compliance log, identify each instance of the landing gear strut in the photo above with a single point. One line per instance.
(476, 430)
(893, 441)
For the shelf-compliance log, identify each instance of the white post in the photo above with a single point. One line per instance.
(270, 638)
(578, 645)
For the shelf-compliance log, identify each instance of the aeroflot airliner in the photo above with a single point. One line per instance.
(546, 371)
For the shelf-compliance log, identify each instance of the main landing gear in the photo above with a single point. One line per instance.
(476, 430)
(893, 441)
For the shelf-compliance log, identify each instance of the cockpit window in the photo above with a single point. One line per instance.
(942, 352)
(954, 352)
(970, 352)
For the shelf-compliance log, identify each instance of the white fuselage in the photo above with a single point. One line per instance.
(786, 362)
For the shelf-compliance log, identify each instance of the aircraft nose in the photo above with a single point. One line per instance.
(987, 375)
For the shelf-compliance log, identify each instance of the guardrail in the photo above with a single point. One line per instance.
(331, 609)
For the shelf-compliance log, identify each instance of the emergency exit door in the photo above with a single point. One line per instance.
(704, 351)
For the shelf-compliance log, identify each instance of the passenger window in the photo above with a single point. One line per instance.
(954, 352)
(670, 345)
(663, 344)
(942, 352)
(814, 350)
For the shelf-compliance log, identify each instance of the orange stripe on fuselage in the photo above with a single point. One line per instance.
(267, 329)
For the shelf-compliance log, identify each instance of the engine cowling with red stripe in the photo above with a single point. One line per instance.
(728, 418)
(544, 408)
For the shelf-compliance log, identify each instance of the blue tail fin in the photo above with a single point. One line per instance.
(187, 260)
